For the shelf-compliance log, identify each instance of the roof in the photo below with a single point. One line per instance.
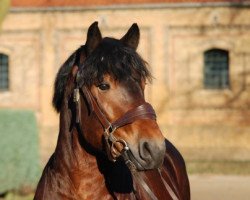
(65, 3)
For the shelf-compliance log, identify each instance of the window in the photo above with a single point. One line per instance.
(4, 72)
(216, 69)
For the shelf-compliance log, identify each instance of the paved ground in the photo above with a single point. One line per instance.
(214, 187)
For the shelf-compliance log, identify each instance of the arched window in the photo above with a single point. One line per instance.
(4, 72)
(216, 69)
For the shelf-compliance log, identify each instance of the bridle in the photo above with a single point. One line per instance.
(143, 111)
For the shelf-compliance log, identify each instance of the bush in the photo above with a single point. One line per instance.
(19, 157)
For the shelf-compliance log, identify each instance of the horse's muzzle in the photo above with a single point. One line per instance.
(148, 154)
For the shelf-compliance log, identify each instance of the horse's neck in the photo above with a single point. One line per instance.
(73, 166)
(82, 170)
(76, 170)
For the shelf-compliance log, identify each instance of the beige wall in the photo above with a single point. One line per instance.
(173, 40)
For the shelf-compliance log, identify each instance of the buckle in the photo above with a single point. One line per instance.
(76, 96)
(108, 132)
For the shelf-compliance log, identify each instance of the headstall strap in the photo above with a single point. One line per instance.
(95, 108)
(76, 99)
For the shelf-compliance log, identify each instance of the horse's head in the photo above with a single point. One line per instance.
(111, 111)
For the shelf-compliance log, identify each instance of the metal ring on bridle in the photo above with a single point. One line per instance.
(114, 152)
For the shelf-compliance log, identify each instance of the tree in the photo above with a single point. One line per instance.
(4, 7)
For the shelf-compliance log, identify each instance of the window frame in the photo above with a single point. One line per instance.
(4, 72)
(216, 66)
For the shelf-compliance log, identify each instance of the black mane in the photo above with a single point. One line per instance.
(110, 57)
(62, 76)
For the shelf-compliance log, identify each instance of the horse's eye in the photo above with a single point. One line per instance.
(103, 86)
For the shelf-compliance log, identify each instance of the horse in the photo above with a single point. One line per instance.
(109, 144)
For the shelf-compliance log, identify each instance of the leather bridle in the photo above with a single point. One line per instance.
(143, 111)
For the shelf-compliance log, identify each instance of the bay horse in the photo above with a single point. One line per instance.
(109, 144)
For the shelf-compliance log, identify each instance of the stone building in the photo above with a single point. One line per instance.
(198, 51)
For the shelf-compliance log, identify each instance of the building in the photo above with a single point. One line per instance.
(198, 51)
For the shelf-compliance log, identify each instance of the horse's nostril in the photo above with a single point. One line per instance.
(145, 150)
(151, 153)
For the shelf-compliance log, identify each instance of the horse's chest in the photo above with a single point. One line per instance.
(94, 191)
(92, 187)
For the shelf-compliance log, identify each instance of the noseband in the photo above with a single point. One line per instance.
(143, 111)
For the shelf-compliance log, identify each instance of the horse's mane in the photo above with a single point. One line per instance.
(62, 77)
(110, 57)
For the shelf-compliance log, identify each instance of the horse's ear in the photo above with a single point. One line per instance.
(132, 37)
(94, 37)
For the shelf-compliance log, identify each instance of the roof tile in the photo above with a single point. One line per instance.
(56, 3)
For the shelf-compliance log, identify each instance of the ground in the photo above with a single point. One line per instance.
(203, 187)
(220, 187)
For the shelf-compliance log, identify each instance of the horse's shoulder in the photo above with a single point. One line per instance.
(174, 166)
(54, 183)
(173, 155)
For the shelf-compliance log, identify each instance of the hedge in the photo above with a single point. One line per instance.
(19, 157)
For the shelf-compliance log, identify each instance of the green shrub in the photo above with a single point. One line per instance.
(19, 157)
